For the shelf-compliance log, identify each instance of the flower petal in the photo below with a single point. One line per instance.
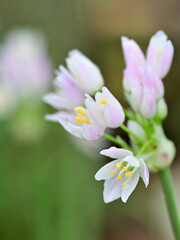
(132, 49)
(93, 132)
(104, 172)
(116, 153)
(144, 172)
(148, 105)
(112, 189)
(86, 73)
(130, 186)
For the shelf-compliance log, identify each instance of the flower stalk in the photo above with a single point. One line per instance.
(167, 184)
(117, 141)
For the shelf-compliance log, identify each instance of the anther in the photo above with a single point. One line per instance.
(103, 101)
(85, 120)
(125, 169)
(112, 172)
(80, 111)
(118, 165)
(128, 174)
(119, 177)
(123, 184)
(78, 120)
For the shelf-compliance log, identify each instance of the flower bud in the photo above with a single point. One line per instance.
(160, 53)
(148, 105)
(162, 109)
(86, 74)
(164, 154)
(138, 131)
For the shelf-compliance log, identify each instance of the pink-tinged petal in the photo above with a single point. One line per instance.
(148, 106)
(59, 101)
(160, 53)
(112, 189)
(116, 153)
(104, 172)
(155, 48)
(132, 49)
(109, 96)
(85, 72)
(153, 81)
(144, 172)
(65, 81)
(93, 132)
(114, 115)
(68, 123)
(95, 110)
(136, 96)
(130, 186)
(166, 59)
(131, 74)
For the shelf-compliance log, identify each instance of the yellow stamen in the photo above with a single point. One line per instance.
(112, 172)
(123, 184)
(78, 120)
(103, 101)
(128, 174)
(119, 177)
(80, 111)
(118, 165)
(85, 120)
(125, 169)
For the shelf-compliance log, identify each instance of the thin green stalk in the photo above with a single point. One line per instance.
(167, 184)
(118, 142)
(131, 133)
(144, 147)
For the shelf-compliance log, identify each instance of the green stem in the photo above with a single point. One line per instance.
(128, 115)
(116, 141)
(131, 133)
(144, 147)
(167, 184)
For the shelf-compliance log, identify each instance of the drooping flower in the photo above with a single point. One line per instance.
(121, 175)
(159, 53)
(86, 74)
(79, 123)
(68, 94)
(106, 109)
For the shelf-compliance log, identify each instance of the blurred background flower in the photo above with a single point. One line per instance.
(47, 186)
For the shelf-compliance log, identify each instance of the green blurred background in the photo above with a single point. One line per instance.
(47, 186)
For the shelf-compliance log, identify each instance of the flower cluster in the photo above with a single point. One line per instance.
(86, 108)
(78, 112)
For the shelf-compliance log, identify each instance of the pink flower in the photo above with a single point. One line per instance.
(159, 53)
(86, 74)
(106, 109)
(68, 94)
(79, 123)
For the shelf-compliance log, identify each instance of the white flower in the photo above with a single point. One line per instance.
(79, 123)
(86, 74)
(121, 175)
